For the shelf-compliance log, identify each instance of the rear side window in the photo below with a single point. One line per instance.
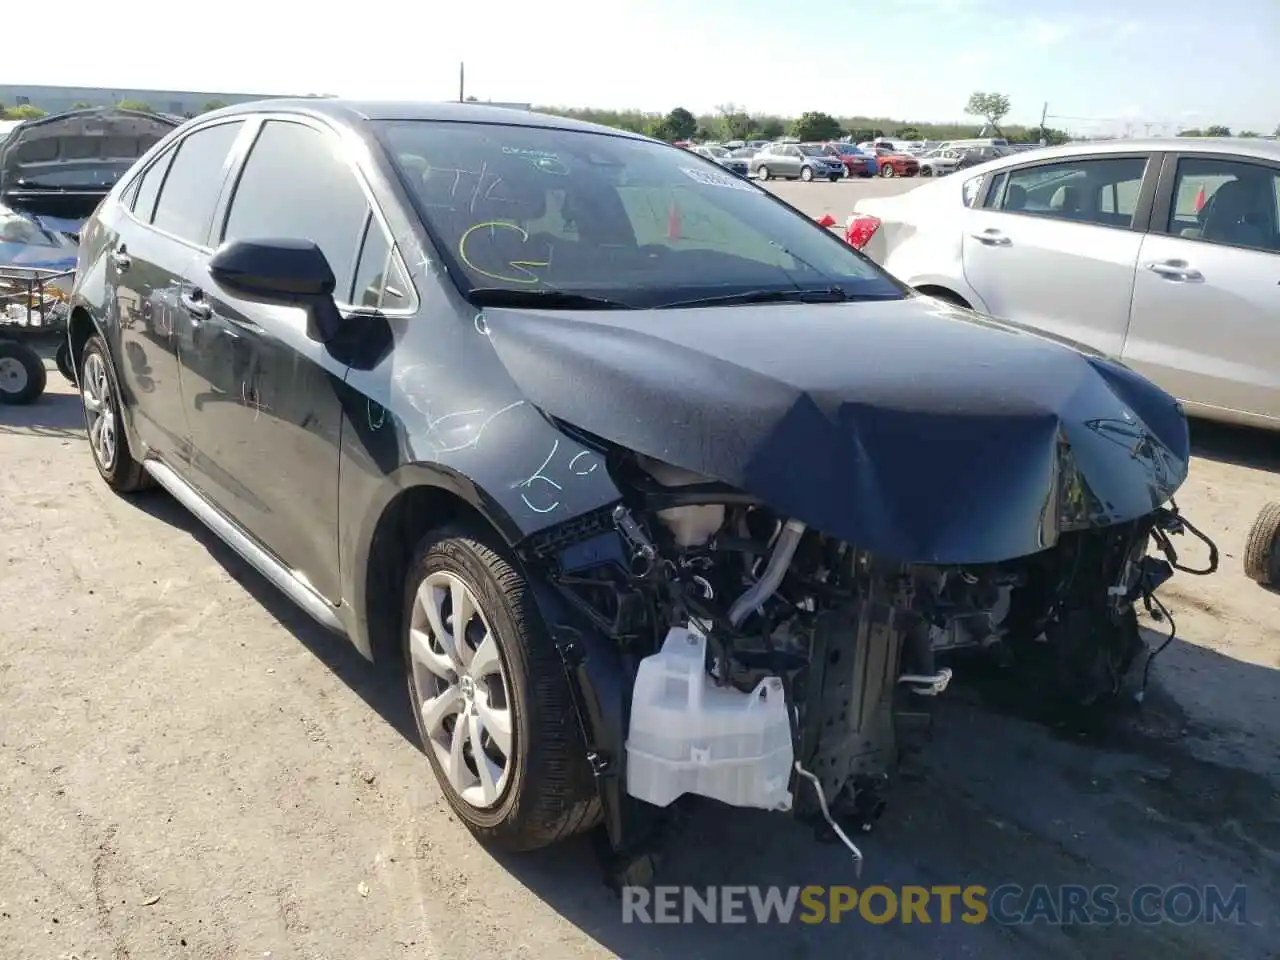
(144, 200)
(191, 189)
(294, 185)
(1098, 191)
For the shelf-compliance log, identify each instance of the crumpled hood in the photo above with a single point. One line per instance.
(910, 428)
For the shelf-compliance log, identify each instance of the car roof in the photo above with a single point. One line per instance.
(1246, 147)
(355, 112)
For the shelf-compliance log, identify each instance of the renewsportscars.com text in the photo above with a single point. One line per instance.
(1008, 904)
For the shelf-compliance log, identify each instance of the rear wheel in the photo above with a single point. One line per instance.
(22, 376)
(926, 171)
(104, 421)
(64, 363)
(491, 698)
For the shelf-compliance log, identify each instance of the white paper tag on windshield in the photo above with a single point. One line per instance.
(714, 178)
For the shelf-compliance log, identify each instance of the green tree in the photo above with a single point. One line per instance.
(992, 107)
(81, 105)
(135, 105)
(733, 122)
(26, 111)
(1217, 130)
(907, 133)
(770, 128)
(212, 105)
(1248, 133)
(681, 124)
(1191, 132)
(816, 125)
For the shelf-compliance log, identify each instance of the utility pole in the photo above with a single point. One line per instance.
(462, 82)
(1044, 115)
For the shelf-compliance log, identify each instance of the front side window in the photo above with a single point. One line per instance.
(190, 191)
(1230, 202)
(1098, 191)
(294, 185)
(380, 281)
(531, 208)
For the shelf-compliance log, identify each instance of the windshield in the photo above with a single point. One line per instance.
(640, 223)
(717, 151)
(20, 229)
(848, 150)
(809, 150)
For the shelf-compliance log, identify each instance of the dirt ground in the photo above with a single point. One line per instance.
(190, 768)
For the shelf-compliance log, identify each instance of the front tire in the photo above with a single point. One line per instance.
(104, 421)
(491, 699)
(887, 170)
(806, 174)
(22, 374)
(762, 172)
(66, 366)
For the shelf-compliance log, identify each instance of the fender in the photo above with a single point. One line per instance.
(364, 495)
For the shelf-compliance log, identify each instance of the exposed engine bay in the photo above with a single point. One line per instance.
(854, 640)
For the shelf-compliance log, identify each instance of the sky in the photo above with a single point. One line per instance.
(1146, 64)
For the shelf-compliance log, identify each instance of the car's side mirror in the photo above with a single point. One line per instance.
(282, 271)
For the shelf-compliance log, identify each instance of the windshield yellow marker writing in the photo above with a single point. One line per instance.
(519, 265)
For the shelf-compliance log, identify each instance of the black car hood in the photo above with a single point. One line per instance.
(907, 427)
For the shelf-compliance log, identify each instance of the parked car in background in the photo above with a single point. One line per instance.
(795, 161)
(857, 162)
(726, 159)
(59, 167)
(938, 163)
(892, 163)
(1163, 253)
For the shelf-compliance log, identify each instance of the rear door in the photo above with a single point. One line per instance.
(265, 407)
(1054, 244)
(167, 219)
(1206, 302)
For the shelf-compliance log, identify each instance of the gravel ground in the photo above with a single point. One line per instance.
(190, 768)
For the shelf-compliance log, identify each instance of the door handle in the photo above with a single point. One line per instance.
(1178, 270)
(993, 238)
(120, 257)
(197, 307)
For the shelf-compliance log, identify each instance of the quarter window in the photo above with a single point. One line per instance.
(380, 282)
(144, 200)
(194, 181)
(1099, 191)
(1226, 201)
(295, 186)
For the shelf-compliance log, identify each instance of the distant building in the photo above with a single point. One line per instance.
(61, 99)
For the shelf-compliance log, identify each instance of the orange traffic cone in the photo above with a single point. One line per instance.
(1200, 198)
(673, 222)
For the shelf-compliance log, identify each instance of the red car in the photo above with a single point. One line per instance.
(857, 163)
(894, 164)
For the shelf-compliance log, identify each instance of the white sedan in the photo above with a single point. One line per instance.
(1162, 253)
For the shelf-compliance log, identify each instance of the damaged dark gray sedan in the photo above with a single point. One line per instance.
(656, 487)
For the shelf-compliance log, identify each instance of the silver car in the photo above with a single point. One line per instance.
(795, 161)
(1163, 253)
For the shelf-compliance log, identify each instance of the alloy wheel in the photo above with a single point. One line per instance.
(461, 689)
(99, 411)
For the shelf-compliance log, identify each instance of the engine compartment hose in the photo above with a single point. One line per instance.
(763, 589)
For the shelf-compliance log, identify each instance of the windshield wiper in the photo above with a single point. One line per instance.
(827, 295)
(543, 299)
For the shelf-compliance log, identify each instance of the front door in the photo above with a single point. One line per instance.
(261, 395)
(1054, 246)
(161, 230)
(1206, 303)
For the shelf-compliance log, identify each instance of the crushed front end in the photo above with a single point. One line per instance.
(764, 663)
